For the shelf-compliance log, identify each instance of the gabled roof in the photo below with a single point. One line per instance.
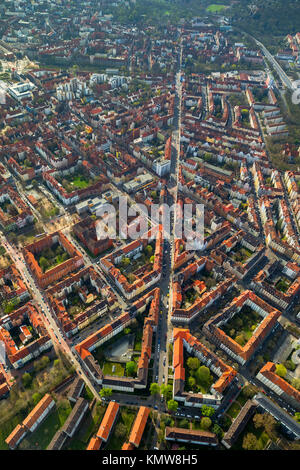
(139, 426)
(108, 420)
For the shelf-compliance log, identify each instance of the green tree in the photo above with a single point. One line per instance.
(203, 375)
(249, 391)
(289, 365)
(166, 391)
(218, 430)
(131, 368)
(250, 442)
(267, 422)
(105, 392)
(149, 250)
(154, 389)
(193, 363)
(205, 423)
(26, 379)
(296, 384)
(36, 398)
(120, 430)
(207, 411)
(192, 382)
(240, 339)
(41, 363)
(184, 423)
(281, 370)
(44, 264)
(125, 262)
(131, 278)
(172, 405)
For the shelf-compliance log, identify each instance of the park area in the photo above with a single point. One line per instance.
(52, 256)
(47, 209)
(241, 326)
(260, 429)
(257, 433)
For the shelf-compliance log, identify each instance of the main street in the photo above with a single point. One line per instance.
(164, 335)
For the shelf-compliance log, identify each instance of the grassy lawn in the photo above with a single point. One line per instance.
(215, 8)
(234, 410)
(78, 180)
(81, 182)
(138, 341)
(119, 369)
(126, 417)
(182, 423)
(41, 438)
(242, 399)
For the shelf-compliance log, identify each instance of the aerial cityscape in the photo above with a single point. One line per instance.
(149, 225)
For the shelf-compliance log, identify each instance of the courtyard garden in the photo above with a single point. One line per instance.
(79, 179)
(122, 429)
(75, 304)
(259, 431)
(198, 377)
(87, 429)
(240, 254)
(132, 268)
(52, 256)
(8, 208)
(44, 375)
(242, 325)
(282, 284)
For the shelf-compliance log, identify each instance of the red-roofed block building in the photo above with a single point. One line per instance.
(242, 354)
(183, 339)
(267, 375)
(56, 273)
(37, 343)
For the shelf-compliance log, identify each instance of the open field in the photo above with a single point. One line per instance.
(215, 8)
